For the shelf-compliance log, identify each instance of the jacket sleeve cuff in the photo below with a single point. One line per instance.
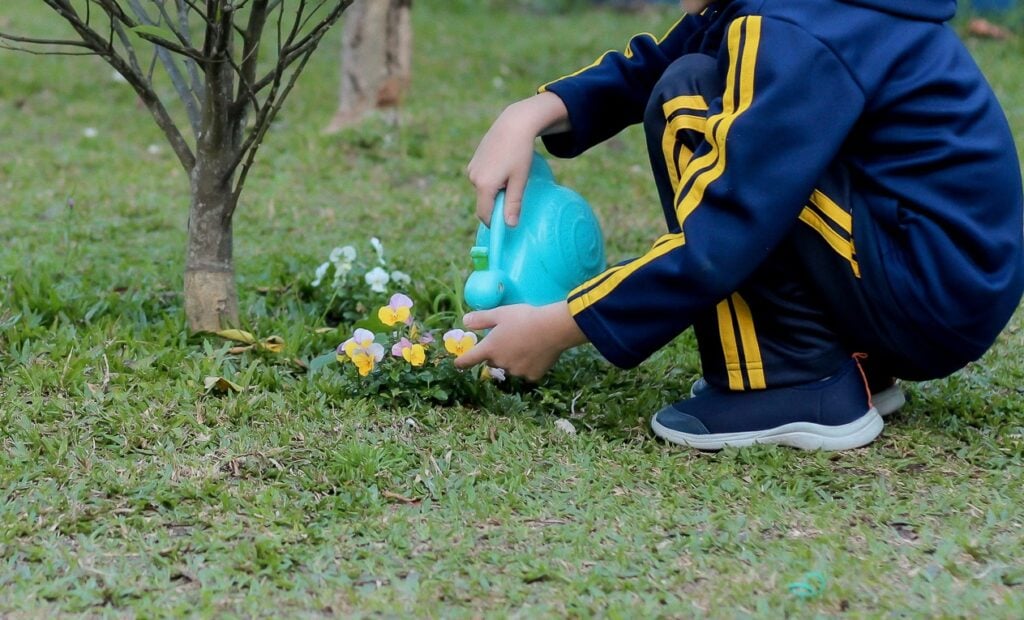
(607, 344)
(578, 139)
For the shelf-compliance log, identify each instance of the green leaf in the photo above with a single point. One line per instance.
(439, 395)
(158, 32)
(320, 362)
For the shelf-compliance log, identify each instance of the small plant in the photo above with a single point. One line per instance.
(392, 355)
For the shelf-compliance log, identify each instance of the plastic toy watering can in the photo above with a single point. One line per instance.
(556, 246)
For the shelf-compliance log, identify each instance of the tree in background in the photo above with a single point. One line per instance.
(210, 53)
(376, 60)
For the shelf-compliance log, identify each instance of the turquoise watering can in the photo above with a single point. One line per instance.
(556, 246)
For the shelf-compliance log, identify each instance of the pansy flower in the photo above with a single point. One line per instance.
(494, 374)
(362, 350)
(415, 354)
(321, 271)
(378, 247)
(400, 278)
(343, 255)
(378, 280)
(458, 342)
(397, 310)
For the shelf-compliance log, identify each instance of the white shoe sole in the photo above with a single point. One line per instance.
(803, 435)
(889, 400)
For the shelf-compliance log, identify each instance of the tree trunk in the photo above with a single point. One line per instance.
(211, 301)
(376, 60)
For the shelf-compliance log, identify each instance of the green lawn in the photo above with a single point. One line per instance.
(127, 489)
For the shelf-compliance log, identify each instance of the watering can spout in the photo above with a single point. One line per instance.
(556, 246)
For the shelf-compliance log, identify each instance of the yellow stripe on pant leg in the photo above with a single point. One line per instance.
(751, 349)
(684, 102)
(843, 246)
(671, 138)
(833, 211)
(730, 351)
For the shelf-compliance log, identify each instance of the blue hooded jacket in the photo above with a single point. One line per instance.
(883, 86)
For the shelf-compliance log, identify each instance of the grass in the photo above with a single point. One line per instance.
(126, 489)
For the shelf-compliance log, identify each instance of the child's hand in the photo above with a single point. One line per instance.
(503, 158)
(524, 340)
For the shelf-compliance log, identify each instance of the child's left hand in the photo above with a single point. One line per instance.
(524, 340)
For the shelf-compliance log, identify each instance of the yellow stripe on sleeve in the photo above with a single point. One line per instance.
(628, 53)
(544, 87)
(664, 245)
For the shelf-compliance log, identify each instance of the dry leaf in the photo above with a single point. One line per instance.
(220, 384)
(237, 335)
(274, 344)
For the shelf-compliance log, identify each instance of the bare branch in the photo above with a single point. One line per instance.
(44, 53)
(198, 87)
(34, 41)
(291, 50)
(104, 47)
(187, 96)
(250, 54)
(270, 111)
(217, 126)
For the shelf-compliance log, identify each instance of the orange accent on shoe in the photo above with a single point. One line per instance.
(857, 357)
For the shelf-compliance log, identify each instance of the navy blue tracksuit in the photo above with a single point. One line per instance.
(837, 177)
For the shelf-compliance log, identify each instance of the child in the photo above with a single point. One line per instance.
(840, 186)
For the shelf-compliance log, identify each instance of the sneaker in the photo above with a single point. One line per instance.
(830, 414)
(888, 397)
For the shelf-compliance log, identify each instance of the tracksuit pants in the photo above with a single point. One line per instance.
(807, 308)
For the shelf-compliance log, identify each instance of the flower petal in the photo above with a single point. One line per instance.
(399, 300)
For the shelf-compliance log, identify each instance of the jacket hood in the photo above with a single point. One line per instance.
(925, 10)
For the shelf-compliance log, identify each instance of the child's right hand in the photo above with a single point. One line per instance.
(503, 158)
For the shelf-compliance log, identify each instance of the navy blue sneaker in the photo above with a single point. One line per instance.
(830, 414)
(886, 394)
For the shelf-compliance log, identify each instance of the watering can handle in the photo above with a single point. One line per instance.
(497, 235)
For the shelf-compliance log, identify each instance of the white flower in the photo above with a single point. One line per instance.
(378, 280)
(565, 426)
(321, 271)
(400, 277)
(90, 132)
(378, 247)
(342, 255)
(153, 149)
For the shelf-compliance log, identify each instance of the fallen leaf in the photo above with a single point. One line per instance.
(274, 344)
(237, 335)
(400, 498)
(220, 384)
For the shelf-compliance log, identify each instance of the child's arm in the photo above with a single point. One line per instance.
(524, 340)
(502, 160)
